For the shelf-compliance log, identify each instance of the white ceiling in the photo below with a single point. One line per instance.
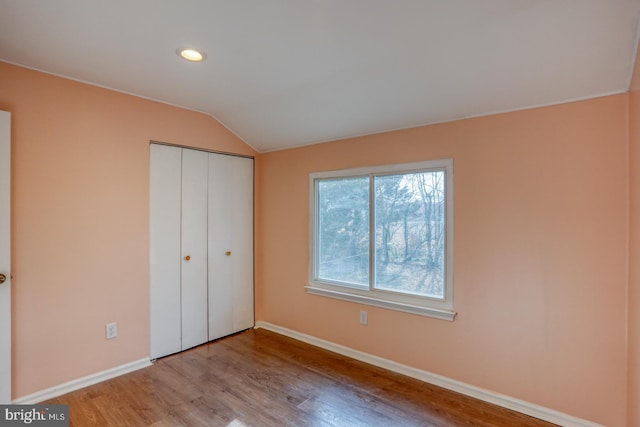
(284, 73)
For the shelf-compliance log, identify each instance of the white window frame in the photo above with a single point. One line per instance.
(415, 304)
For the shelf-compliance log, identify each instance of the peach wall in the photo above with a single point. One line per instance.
(540, 262)
(81, 220)
(633, 397)
(540, 255)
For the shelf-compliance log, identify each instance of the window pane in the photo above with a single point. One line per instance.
(343, 230)
(410, 233)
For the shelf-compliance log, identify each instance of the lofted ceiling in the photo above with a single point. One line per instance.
(285, 73)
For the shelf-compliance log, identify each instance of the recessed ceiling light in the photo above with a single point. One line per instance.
(191, 55)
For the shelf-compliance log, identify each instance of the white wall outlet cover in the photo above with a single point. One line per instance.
(111, 330)
(363, 317)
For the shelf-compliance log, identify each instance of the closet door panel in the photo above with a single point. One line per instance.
(241, 204)
(230, 245)
(164, 254)
(194, 248)
(221, 250)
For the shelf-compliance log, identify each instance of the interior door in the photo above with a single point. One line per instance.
(5, 257)
(230, 245)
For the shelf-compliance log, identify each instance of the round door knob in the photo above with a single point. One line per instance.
(187, 258)
(3, 278)
(228, 253)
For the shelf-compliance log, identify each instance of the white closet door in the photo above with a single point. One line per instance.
(5, 257)
(230, 245)
(165, 310)
(242, 202)
(194, 248)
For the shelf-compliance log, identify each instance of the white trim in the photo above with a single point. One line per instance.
(384, 303)
(415, 304)
(508, 402)
(391, 168)
(79, 383)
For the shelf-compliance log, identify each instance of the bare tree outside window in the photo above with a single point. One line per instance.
(343, 230)
(409, 232)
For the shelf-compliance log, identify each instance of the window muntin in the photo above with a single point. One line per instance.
(383, 236)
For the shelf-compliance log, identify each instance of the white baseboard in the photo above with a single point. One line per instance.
(79, 383)
(514, 404)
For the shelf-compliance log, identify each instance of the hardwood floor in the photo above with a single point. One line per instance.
(259, 378)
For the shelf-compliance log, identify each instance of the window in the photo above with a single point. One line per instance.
(383, 236)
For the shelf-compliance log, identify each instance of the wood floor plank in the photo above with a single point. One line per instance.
(259, 378)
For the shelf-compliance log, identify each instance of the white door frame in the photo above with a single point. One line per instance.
(5, 257)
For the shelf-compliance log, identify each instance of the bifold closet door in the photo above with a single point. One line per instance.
(178, 249)
(194, 247)
(201, 247)
(230, 236)
(164, 273)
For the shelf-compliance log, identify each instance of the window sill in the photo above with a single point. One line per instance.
(377, 302)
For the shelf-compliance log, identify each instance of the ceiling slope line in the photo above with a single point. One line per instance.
(455, 119)
(124, 92)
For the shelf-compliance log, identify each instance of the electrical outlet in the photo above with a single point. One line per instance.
(111, 330)
(363, 317)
